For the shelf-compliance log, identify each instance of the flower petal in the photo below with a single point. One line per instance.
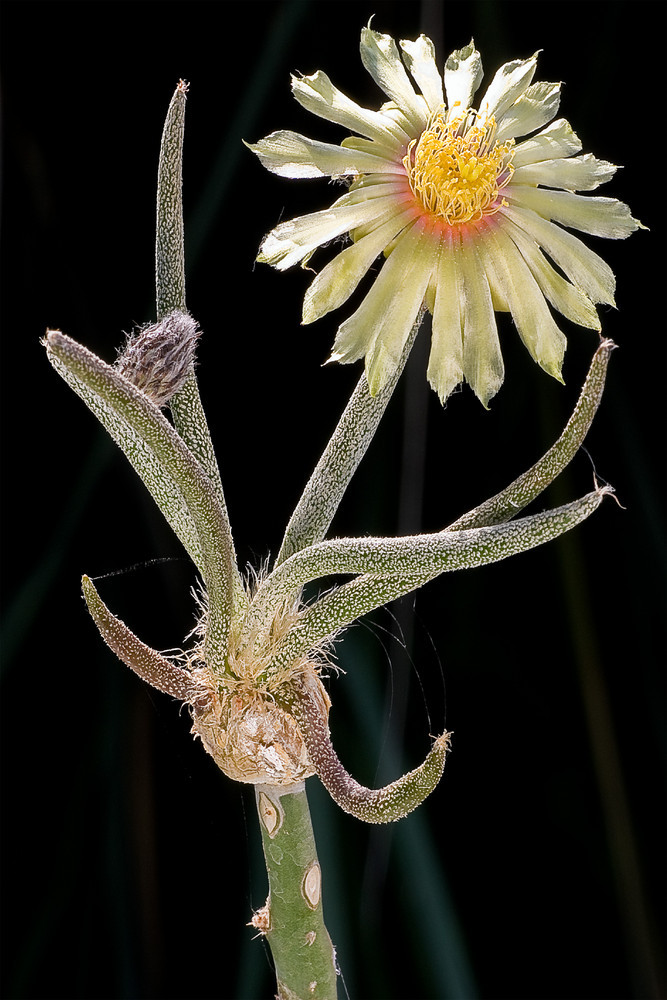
(577, 173)
(318, 95)
(336, 282)
(445, 364)
(557, 140)
(419, 57)
(508, 85)
(482, 361)
(599, 216)
(463, 75)
(380, 326)
(533, 110)
(389, 150)
(524, 296)
(566, 298)
(289, 154)
(511, 260)
(391, 110)
(583, 266)
(380, 56)
(291, 241)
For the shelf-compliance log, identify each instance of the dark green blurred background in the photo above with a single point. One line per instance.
(130, 864)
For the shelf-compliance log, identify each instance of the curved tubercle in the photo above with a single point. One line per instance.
(373, 805)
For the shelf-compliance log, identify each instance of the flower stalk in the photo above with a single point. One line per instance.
(348, 444)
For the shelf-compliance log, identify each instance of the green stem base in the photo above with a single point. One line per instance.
(292, 919)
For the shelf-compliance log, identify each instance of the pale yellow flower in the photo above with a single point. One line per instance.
(459, 207)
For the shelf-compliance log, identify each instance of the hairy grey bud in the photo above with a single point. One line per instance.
(157, 357)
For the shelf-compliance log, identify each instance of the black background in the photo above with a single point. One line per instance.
(130, 864)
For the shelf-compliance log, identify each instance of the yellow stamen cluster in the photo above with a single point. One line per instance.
(456, 170)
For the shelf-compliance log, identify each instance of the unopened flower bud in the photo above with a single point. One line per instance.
(158, 357)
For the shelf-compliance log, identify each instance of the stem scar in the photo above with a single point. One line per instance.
(311, 886)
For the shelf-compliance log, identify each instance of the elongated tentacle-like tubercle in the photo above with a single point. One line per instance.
(150, 665)
(181, 487)
(509, 502)
(373, 805)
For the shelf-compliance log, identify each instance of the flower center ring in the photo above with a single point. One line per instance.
(456, 171)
